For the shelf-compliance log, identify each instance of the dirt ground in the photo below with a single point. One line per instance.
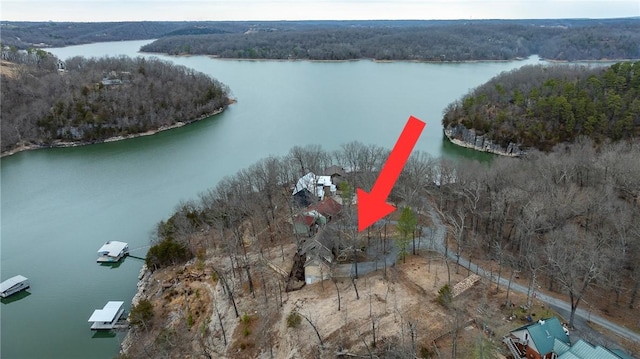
(8, 69)
(401, 306)
(398, 306)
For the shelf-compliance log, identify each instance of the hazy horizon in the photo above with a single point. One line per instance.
(300, 10)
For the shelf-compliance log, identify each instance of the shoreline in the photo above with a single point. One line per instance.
(400, 60)
(464, 144)
(64, 144)
(216, 57)
(144, 278)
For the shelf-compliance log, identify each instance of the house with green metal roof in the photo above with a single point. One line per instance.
(548, 339)
(537, 340)
(583, 350)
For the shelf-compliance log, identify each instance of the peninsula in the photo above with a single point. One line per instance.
(52, 103)
(542, 106)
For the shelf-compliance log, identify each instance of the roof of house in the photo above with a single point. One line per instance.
(544, 334)
(584, 350)
(560, 347)
(321, 244)
(107, 313)
(324, 180)
(304, 218)
(328, 207)
(314, 184)
(307, 181)
(621, 354)
(303, 197)
(334, 170)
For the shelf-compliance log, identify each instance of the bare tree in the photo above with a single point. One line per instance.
(578, 261)
(314, 326)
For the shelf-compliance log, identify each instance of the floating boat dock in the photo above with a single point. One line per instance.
(13, 285)
(107, 318)
(112, 251)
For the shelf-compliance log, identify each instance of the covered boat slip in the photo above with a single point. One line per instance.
(108, 316)
(13, 285)
(112, 251)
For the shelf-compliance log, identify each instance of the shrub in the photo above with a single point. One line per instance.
(246, 331)
(293, 320)
(167, 252)
(141, 313)
(245, 319)
(445, 295)
(425, 352)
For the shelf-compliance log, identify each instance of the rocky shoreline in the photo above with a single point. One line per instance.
(144, 279)
(63, 144)
(463, 137)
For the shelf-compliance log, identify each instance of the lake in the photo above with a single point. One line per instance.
(60, 205)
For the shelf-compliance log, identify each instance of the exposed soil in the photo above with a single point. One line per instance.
(401, 306)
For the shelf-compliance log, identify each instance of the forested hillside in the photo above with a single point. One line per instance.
(568, 220)
(448, 41)
(23, 35)
(423, 40)
(565, 222)
(541, 106)
(94, 99)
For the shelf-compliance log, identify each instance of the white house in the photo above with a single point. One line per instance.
(316, 185)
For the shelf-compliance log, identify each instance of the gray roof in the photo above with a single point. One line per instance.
(11, 282)
(321, 244)
(334, 170)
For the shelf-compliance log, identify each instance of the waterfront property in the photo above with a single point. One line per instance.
(112, 251)
(317, 185)
(120, 190)
(13, 285)
(107, 317)
(548, 339)
(536, 340)
(318, 253)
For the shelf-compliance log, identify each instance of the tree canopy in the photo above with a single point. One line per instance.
(90, 100)
(541, 106)
(421, 41)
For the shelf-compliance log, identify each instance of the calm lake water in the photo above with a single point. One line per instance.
(60, 205)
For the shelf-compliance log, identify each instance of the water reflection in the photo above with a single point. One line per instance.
(102, 334)
(450, 150)
(112, 265)
(15, 297)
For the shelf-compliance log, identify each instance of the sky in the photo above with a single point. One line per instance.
(194, 10)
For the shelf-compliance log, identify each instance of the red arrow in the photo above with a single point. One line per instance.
(373, 206)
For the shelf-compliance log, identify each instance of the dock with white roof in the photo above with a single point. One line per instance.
(112, 251)
(107, 317)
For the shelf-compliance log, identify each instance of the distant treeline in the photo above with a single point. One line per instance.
(23, 35)
(541, 106)
(428, 40)
(94, 99)
(456, 41)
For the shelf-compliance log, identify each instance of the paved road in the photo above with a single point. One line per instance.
(432, 238)
(435, 237)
